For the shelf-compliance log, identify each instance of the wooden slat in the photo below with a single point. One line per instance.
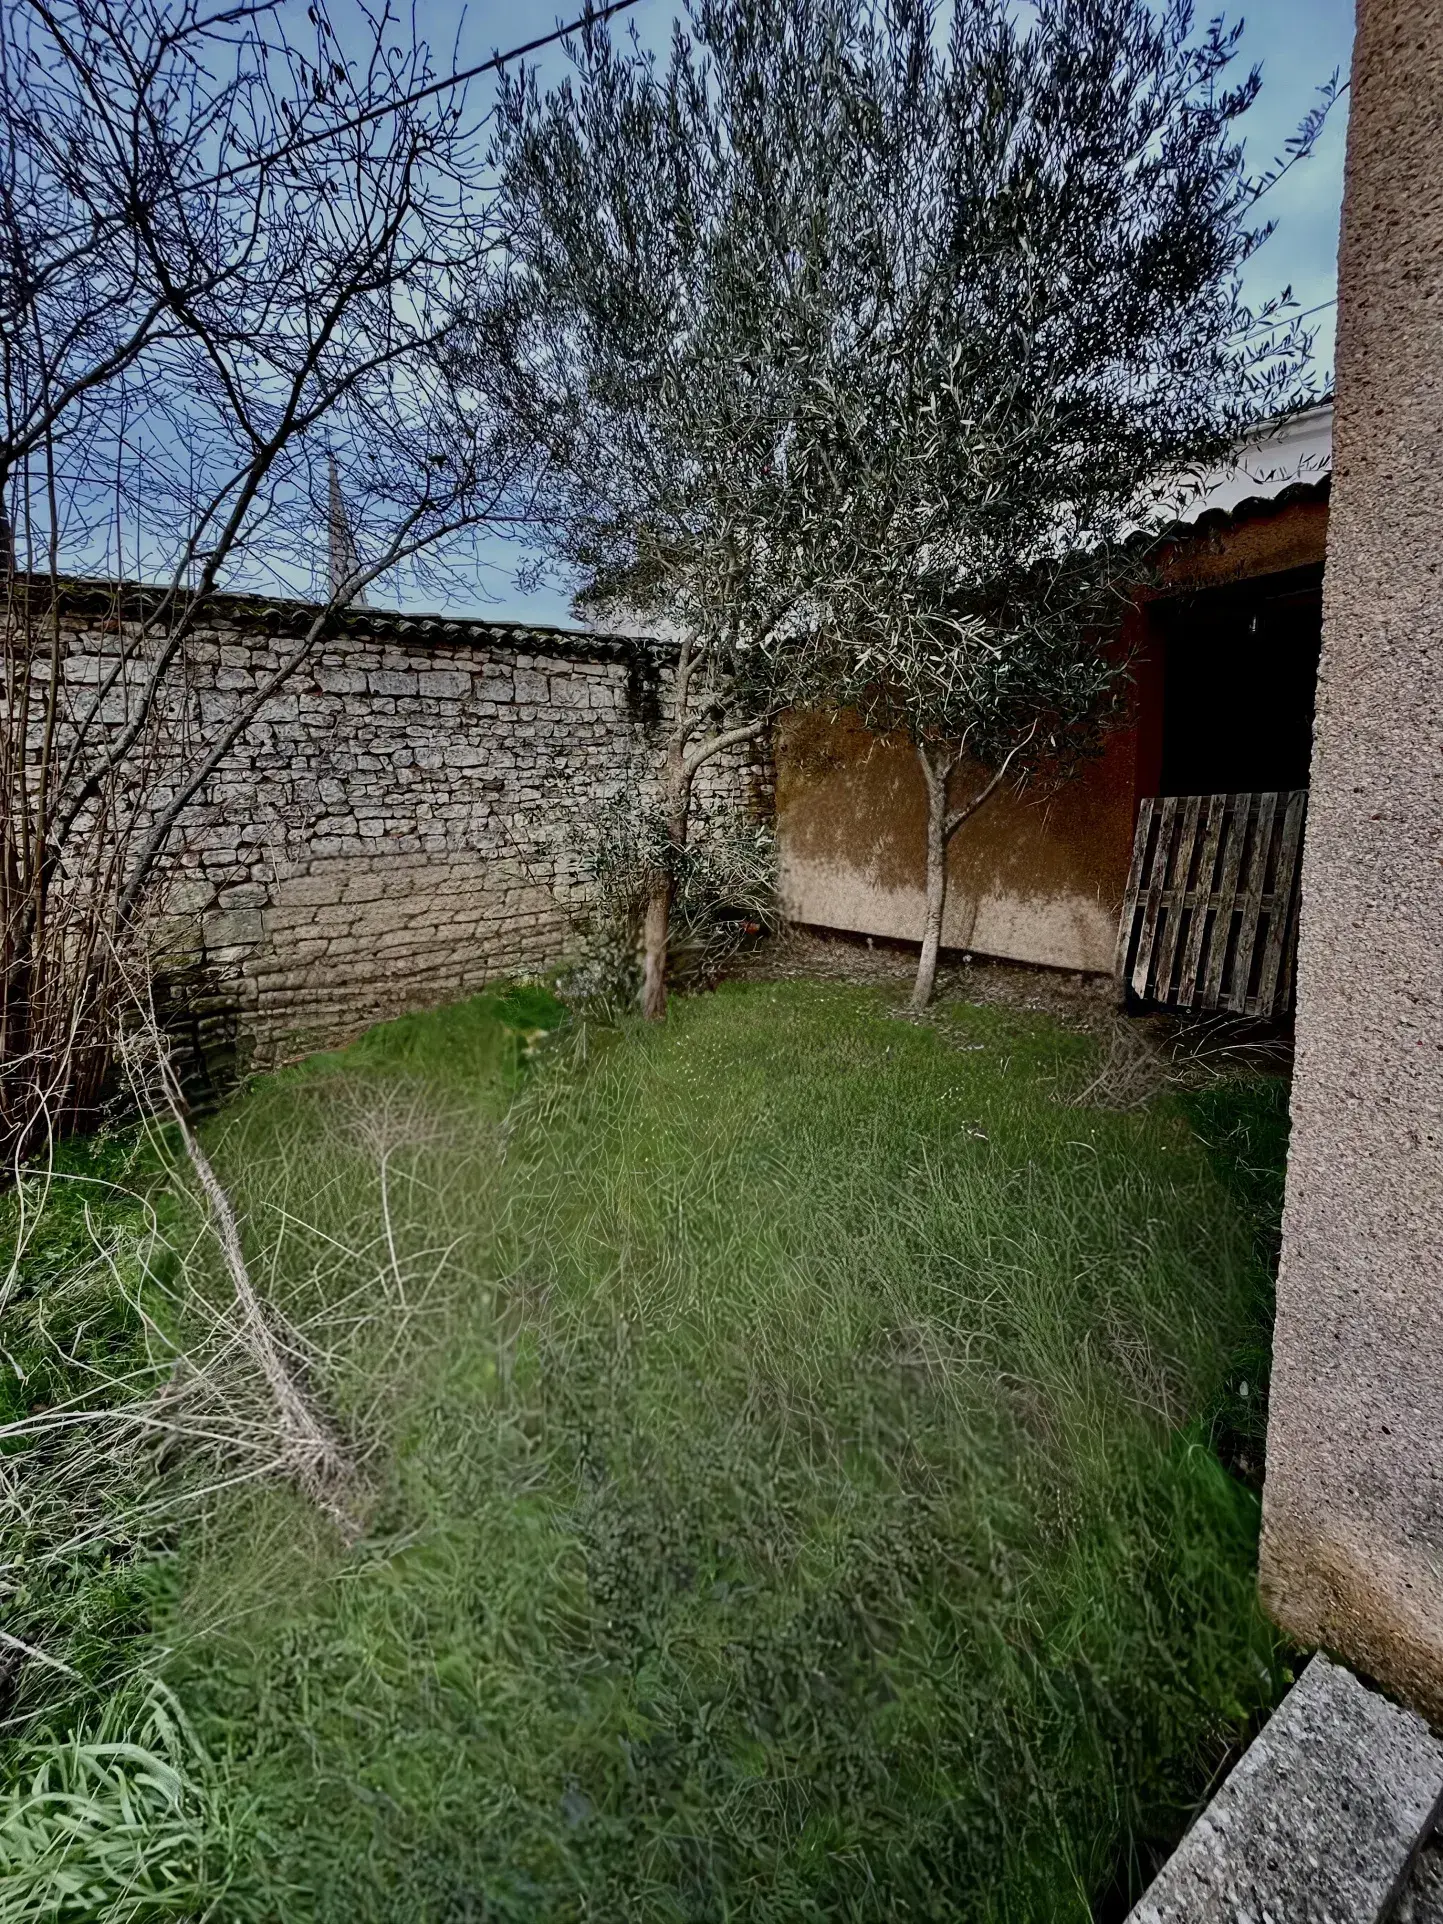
(1212, 898)
(1174, 897)
(1288, 980)
(1252, 894)
(1225, 899)
(1127, 927)
(1147, 934)
(1187, 987)
(1288, 985)
(1280, 917)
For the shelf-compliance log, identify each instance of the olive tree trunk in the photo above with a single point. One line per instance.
(937, 765)
(656, 923)
(682, 764)
(939, 762)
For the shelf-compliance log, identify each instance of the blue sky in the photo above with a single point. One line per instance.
(1298, 43)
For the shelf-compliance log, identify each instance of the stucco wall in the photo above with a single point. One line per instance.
(1037, 878)
(1034, 877)
(1353, 1509)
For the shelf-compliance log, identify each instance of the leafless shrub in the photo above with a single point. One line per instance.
(231, 255)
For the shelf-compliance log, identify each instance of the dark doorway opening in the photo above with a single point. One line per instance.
(1240, 674)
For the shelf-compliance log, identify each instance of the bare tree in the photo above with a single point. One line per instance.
(227, 261)
(872, 354)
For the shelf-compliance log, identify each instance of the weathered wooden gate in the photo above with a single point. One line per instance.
(1211, 916)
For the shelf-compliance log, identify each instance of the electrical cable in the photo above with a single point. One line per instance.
(459, 79)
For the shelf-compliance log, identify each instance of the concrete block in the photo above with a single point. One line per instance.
(1318, 1823)
(1422, 1899)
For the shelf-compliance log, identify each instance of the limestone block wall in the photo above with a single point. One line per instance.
(408, 819)
(406, 826)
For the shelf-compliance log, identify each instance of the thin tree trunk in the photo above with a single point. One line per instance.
(938, 763)
(682, 765)
(656, 926)
(655, 936)
(936, 775)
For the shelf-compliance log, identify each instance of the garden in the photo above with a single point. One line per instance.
(799, 1461)
(655, 1451)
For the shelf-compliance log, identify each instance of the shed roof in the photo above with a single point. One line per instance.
(1293, 459)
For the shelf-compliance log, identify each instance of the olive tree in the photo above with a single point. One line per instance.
(667, 317)
(873, 344)
(1047, 222)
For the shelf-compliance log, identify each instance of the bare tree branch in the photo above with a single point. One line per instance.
(225, 260)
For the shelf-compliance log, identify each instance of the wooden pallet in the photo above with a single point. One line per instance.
(1211, 916)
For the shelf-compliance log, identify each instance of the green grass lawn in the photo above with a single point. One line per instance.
(793, 1452)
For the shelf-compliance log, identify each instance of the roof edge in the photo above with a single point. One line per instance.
(1254, 507)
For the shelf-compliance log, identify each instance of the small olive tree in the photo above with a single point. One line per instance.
(872, 354)
(1046, 224)
(667, 326)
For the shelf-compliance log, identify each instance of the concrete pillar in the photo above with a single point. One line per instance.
(1353, 1510)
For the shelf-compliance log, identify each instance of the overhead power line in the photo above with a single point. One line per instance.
(1332, 301)
(594, 17)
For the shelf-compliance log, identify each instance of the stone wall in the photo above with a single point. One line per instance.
(407, 820)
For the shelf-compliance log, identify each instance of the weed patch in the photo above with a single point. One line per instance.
(797, 1499)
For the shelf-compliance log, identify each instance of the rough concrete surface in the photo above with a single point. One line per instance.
(1318, 1822)
(1352, 1554)
(1422, 1899)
